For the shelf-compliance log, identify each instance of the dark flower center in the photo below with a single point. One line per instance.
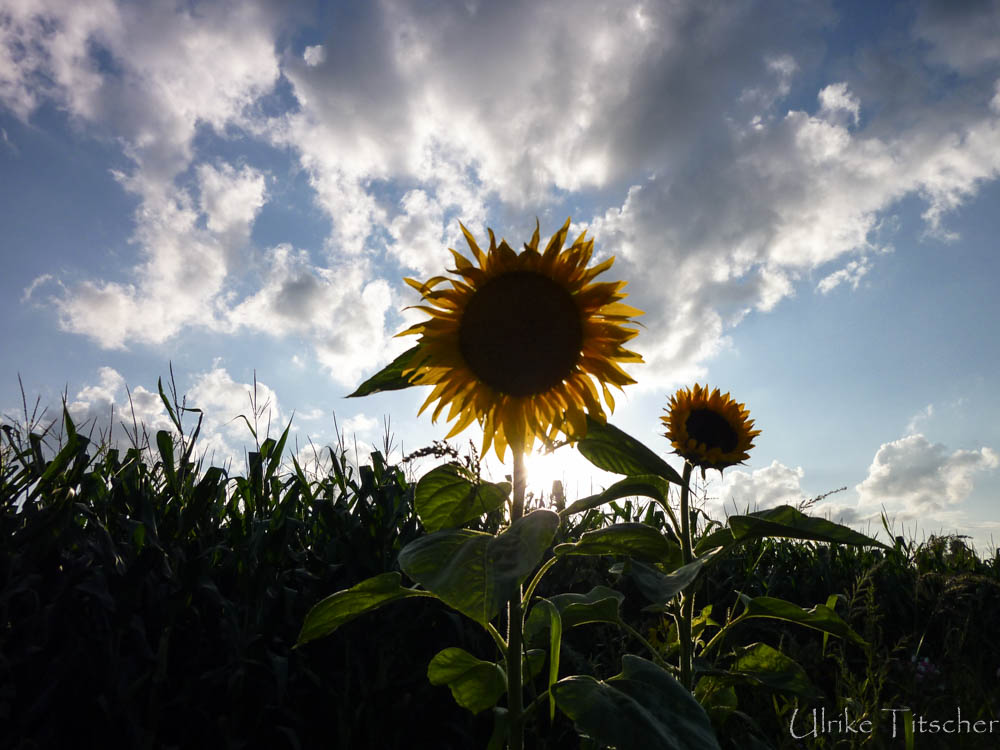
(712, 429)
(521, 333)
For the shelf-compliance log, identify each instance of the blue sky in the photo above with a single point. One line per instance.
(802, 197)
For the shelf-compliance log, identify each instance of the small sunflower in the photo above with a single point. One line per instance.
(518, 340)
(709, 430)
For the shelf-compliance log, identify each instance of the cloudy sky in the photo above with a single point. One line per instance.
(802, 195)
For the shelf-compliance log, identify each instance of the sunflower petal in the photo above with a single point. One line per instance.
(510, 419)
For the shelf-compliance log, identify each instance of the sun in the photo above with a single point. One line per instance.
(542, 468)
(578, 476)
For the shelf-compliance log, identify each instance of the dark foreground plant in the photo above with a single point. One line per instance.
(520, 343)
(147, 602)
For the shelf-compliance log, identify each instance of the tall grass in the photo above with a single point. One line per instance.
(148, 600)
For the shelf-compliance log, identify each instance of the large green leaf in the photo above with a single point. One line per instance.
(549, 610)
(390, 377)
(820, 617)
(600, 604)
(445, 498)
(475, 684)
(631, 539)
(74, 447)
(610, 449)
(478, 573)
(532, 662)
(165, 444)
(786, 521)
(344, 606)
(767, 666)
(660, 588)
(718, 538)
(643, 485)
(717, 696)
(643, 708)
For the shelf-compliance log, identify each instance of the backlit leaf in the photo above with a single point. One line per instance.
(643, 708)
(610, 449)
(478, 573)
(343, 606)
(788, 522)
(445, 497)
(820, 617)
(475, 684)
(600, 604)
(643, 485)
(390, 377)
(767, 666)
(630, 539)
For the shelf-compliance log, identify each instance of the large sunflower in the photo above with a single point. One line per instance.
(517, 340)
(709, 430)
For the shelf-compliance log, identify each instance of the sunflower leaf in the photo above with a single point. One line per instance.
(550, 612)
(660, 588)
(445, 498)
(631, 539)
(786, 521)
(343, 606)
(820, 617)
(477, 573)
(643, 485)
(600, 604)
(390, 377)
(610, 449)
(765, 665)
(721, 537)
(475, 684)
(643, 708)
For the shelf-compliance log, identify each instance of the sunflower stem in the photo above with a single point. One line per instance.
(687, 598)
(515, 621)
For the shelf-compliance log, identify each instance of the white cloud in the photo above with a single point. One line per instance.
(103, 394)
(917, 420)
(731, 201)
(340, 312)
(35, 283)
(361, 425)
(43, 53)
(310, 415)
(506, 99)
(165, 78)
(706, 247)
(185, 269)
(923, 477)
(109, 408)
(763, 97)
(851, 274)
(417, 232)
(776, 485)
(963, 35)
(761, 489)
(230, 199)
(224, 402)
(836, 99)
(314, 55)
(7, 142)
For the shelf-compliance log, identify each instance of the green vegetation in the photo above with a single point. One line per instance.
(148, 601)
